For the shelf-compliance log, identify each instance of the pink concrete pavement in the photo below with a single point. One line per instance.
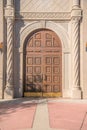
(43, 114)
(67, 116)
(14, 116)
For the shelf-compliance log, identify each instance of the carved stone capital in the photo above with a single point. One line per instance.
(9, 2)
(76, 19)
(76, 15)
(9, 12)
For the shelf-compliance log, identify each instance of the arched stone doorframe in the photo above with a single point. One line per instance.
(65, 41)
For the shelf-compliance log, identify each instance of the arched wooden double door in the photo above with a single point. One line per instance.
(43, 65)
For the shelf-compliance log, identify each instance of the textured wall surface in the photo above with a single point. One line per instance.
(42, 5)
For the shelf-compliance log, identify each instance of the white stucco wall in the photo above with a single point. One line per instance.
(43, 6)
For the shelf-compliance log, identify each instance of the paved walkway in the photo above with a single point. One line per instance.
(43, 114)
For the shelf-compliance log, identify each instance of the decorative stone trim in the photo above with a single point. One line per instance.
(9, 12)
(43, 15)
(76, 14)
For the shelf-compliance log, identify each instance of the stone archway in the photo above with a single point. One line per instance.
(63, 35)
(43, 64)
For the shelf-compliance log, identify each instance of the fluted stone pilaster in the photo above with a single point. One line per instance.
(76, 17)
(9, 53)
(75, 51)
(9, 15)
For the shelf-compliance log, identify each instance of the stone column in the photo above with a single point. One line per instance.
(9, 15)
(76, 16)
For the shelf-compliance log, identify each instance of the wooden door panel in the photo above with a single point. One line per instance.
(52, 72)
(29, 69)
(43, 63)
(48, 43)
(37, 43)
(48, 70)
(56, 79)
(38, 35)
(37, 70)
(56, 60)
(37, 60)
(47, 88)
(56, 69)
(56, 88)
(29, 60)
(48, 78)
(48, 60)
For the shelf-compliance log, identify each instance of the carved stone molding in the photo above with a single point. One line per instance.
(76, 15)
(76, 19)
(9, 12)
(76, 12)
(43, 15)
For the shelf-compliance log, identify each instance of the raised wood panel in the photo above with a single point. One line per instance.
(37, 43)
(37, 60)
(37, 70)
(29, 60)
(56, 70)
(56, 60)
(38, 36)
(48, 60)
(30, 43)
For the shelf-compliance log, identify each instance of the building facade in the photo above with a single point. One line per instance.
(43, 48)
